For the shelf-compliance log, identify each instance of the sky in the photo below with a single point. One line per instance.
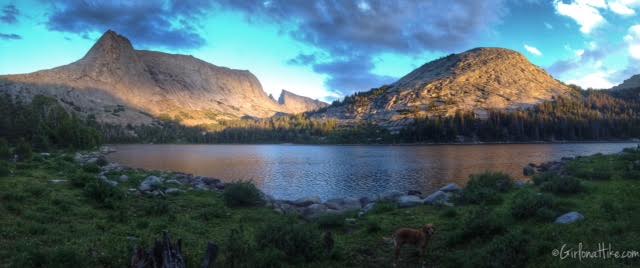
(328, 49)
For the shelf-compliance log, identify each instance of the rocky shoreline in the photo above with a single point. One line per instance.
(171, 183)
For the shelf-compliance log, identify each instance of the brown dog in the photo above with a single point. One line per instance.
(417, 237)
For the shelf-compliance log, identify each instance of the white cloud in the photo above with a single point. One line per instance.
(533, 50)
(549, 26)
(599, 80)
(624, 7)
(633, 41)
(585, 12)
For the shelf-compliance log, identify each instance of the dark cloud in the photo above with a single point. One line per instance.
(10, 14)
(358, 30)
(10, 36)
(303, 59)
(147, 23)
(589, 56)
(351, 75)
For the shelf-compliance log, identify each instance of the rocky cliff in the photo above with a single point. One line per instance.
(632, 82)
(122, 85)
(475, 81)
(298, 104)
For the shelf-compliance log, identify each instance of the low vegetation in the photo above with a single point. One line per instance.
(84, 222)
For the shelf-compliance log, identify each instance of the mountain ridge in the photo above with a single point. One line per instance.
(143, 85)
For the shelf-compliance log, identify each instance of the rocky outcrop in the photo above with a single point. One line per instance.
(631, 82)
(121, 85)
(297, 104)
(475, 81)
(569, 218)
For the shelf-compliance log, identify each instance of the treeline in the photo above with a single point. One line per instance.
(43, 124)
(596, 115)
(282, 129)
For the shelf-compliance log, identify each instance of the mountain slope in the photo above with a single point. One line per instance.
(298, 104)
(122, 85)
(477, 80)
(631, 82)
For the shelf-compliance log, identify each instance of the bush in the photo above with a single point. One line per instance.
(91, 168)
(527, 204)
(509, 250)
(80, 179)
(372, 226)
(563, 185)
(103, 193)
(23, 150)
(330, 221)
(214, 211)
(242, 194)
(238, 249)
(382, 207)
(4, 169)
(485, 187)
(157, 207)
(5, 152)
(478, 222)
(299, 242)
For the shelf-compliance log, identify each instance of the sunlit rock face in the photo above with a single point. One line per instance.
(476, 81)
(121, 85)
(298, 104)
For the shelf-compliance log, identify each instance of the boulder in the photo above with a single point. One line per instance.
(305, 201)
(438, 197)
(451, 188)
(314, 210)
(519, 184)
(106, 180)
(414, 192)
(343, 204)
(173, 181)
(528, 171)
(57, 181)
(173, 191)
(150, 183)
(366, 209)
(123, 178)
(350, 221)
(407, 201)
(569, 218)
(390, 195)
(287, 208)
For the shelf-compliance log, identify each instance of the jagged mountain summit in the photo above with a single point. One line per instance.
(122, 85)
(298, 104)
(475, 81)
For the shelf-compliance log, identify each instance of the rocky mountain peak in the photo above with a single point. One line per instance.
(296, 104)
(631, 82)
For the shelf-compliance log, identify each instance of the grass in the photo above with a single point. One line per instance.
(80, 224)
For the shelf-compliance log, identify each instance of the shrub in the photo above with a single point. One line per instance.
(238, 249)
(242, 194)
(103, 193)
(509, 250)
(23, 150)
(80, 179)
(330, 221)
(5, 152)
(450, 213)
(4, 169)
(563, 185)
(157, 207)
(299, 242)
(91, 168)
(212, 212)
(485, 187)
(527, 204)
(478, 222)
(382, 207)
(372, 226)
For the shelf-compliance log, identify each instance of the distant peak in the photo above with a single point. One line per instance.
(109, 44)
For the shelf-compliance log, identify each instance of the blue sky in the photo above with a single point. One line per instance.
(328, 49)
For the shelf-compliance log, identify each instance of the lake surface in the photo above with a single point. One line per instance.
(294, 171)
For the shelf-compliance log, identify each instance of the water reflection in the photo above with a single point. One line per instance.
(292, 171)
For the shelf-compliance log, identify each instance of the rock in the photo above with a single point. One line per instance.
(287, 208)
(519, 184)
(350, 221)
(173, 181)
(407, 201)
(150, 183)
(45, 154)
(366, 209)
(343, 204)
(106, 180)
(528, 171)
(567, 158)
(390, 195)
(569, 218)
(57, 181)
(305, 201)
(314, 210)
(173, 191)
(451, 188)
(364, 201)
(123, 178)
(414, 192)
(438, 197)
(220, 185)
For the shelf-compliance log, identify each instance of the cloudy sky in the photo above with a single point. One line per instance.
(328, 49)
